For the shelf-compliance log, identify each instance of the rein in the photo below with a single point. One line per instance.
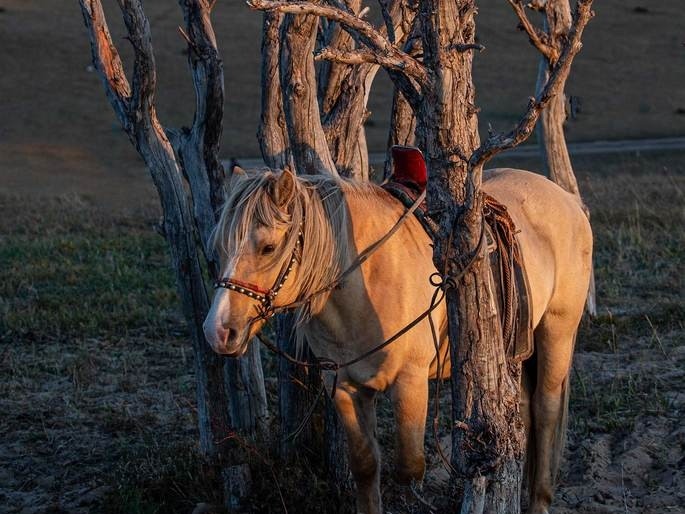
(324, 364)
(436, 280)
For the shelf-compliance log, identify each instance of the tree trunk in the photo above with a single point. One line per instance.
(550, 127)
(343, 93)
(298, 80)
(273, 131)
(300, 141)
(344, 123)
(344, 89)
(230, 394)
(487, 438)
(402, 129)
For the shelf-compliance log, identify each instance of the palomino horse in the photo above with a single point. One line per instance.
(296, 235)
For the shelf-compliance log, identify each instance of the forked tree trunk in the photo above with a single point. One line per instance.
(230, 394)
(550, 128)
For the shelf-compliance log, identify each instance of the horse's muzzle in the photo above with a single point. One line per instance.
(224, 340)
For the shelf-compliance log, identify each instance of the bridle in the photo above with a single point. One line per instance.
(265, 297)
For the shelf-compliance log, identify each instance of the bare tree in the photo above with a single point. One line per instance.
(332, 143)
(550, 128)
(487, 439)
(230, 393)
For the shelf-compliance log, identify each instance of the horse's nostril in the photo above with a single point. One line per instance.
(231, 335)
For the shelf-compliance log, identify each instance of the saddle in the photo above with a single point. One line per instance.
(507, 272)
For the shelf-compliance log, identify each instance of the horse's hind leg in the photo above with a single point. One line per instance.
(554, 338)
(357, 411)
(410, 402)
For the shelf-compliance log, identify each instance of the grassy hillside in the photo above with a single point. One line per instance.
(59, 135)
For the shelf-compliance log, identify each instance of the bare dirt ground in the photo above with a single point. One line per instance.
(58, 134)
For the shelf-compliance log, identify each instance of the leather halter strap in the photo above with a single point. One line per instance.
(264, 296)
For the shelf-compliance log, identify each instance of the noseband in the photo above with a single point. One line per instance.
(265, 297)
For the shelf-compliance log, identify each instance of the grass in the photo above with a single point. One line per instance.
(97, 378)
(82, 276)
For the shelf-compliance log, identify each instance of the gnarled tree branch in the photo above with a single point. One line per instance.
(538, 38)
(499, 142)
(366, 33)
(347, 56)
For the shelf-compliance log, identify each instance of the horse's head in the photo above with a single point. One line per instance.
(259, 242)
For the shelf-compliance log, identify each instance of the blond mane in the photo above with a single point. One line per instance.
(318, 205)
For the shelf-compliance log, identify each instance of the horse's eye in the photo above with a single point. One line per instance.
(268, 249)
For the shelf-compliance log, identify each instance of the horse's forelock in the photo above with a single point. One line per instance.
(249, 204)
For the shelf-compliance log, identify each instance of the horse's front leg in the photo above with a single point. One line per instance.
(357, 410)
(410, 403)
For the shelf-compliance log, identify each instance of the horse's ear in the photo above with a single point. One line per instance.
(236, 173)
(283, 188)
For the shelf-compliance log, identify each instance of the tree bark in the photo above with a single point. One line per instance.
(402, 129)
(343, 92)
(298, 81)
(198, 162)
(486, 451)
(273, 131)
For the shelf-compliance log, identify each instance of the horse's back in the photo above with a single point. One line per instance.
(554, 235)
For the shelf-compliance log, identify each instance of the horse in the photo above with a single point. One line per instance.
(283, 240)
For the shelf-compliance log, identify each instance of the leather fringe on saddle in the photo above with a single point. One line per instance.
(509, 280)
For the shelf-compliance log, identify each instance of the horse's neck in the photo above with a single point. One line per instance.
(370, 218)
